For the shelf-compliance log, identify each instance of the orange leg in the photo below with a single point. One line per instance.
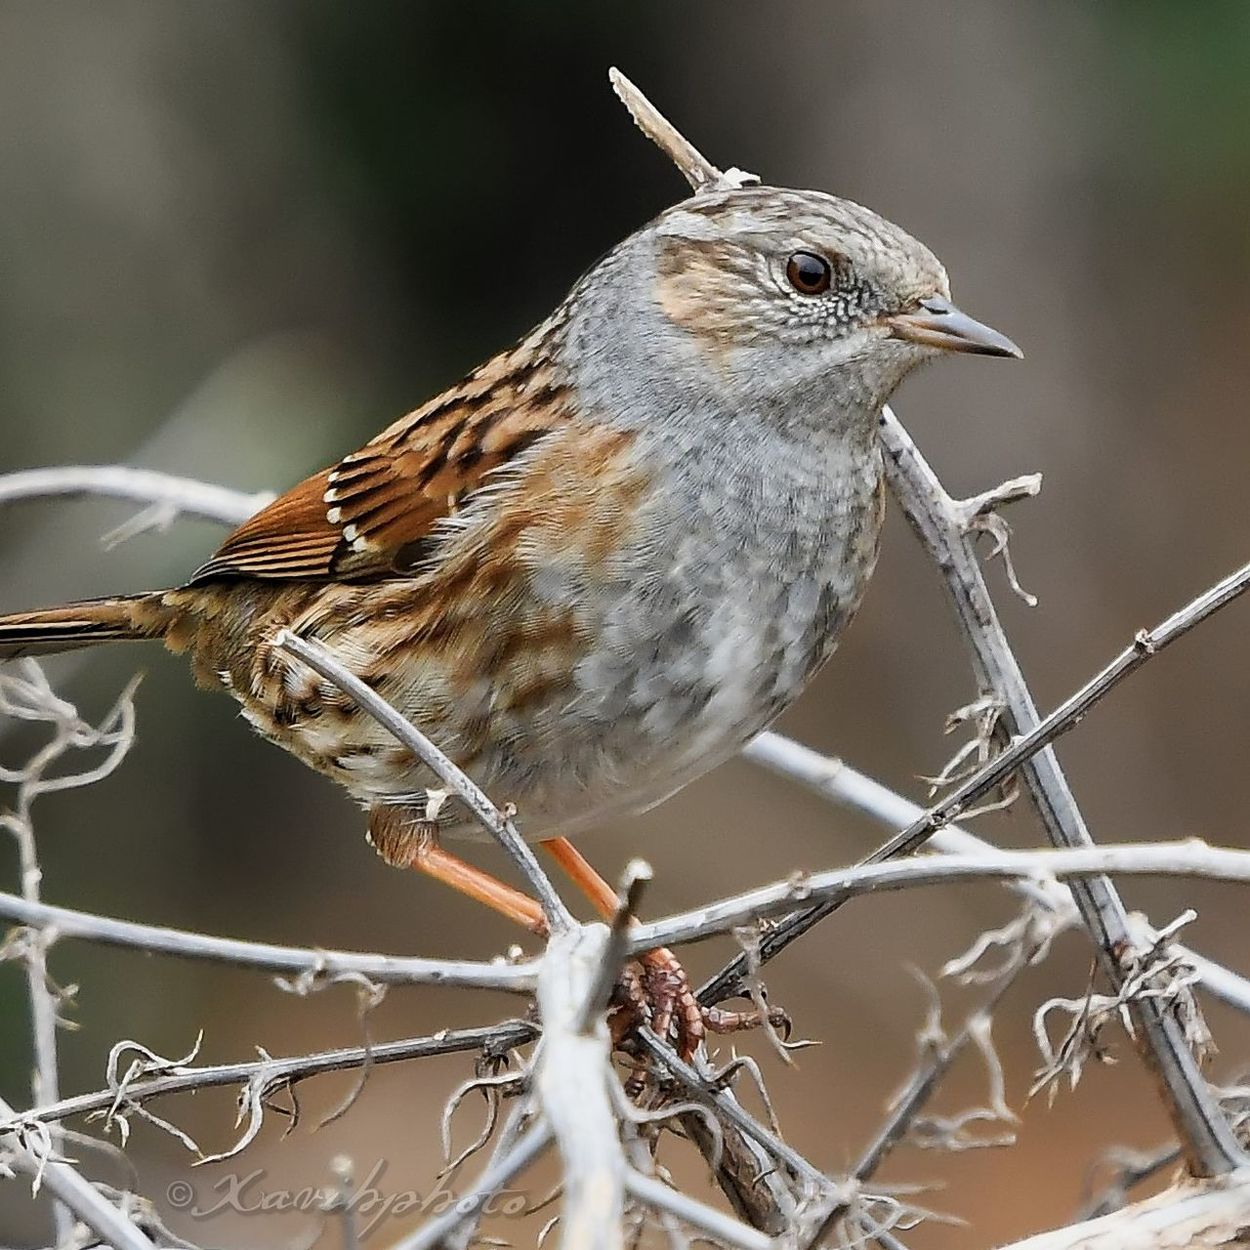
(405, 842)
(443, 866)
(580, 872)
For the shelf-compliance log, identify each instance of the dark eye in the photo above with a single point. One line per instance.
(809, 274)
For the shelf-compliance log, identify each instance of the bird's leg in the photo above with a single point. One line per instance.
(657, 988)
(406, 841)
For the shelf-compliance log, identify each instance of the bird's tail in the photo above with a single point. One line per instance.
(50, 630)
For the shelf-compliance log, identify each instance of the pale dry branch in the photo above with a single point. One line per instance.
(78, 1195)
(181, 496)
(1194, 1215)
(1193, 859)
(698, 1215)
(269, 1073)
(572, 1072)
(320, 965)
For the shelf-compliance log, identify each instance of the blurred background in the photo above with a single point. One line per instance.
(237, 239)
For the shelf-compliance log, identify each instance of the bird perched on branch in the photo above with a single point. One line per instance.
(601, 563)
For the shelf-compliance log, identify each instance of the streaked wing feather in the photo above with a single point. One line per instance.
(361, 519)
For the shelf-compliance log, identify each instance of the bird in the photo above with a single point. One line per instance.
(603, 561)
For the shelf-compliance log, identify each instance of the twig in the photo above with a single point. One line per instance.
(698, 171)
(634, 881)
(31, 697)
(497, 823)
(920, 1087)
(1028, 748)
(79, 1196)
(705, 1091)
(498, 1174)
(573, 1069)
(183, 494)
(1182, 859)
(837, 781)
(707, 1220)
(300, 961)
(278, 1072)
(1210, 1146)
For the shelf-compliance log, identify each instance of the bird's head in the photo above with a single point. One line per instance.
(806, 284)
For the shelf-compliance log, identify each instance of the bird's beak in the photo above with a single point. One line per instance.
(938, 323)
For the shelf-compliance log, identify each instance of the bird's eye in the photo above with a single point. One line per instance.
(809, 274)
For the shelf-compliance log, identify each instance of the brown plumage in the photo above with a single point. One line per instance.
(607, 558)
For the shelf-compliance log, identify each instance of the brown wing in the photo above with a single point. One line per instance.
(365, 518)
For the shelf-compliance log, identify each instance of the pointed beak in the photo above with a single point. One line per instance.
(938, 323)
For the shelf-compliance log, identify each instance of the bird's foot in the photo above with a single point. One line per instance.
(654, 992)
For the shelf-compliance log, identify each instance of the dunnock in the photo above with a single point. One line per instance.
(601, 563)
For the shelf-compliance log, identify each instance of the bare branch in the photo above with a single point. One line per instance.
(572, 1073)
(497, 823)
(184, 495)
(78, 1194)
(274, 1073)
(845, 786)
(1210, 1147)
(1182, 859)
(729, 1231)
(293, 960)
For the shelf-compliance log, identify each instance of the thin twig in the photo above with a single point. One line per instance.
(836, 780)
(1193, 859)
(79, 1195)
(497, 823)
(1210, 1146)
(497, 1175)
(276, 1072)
(634, 881)
(705, 1091)
(721, 1228)
(920, 1087)
(300, 961)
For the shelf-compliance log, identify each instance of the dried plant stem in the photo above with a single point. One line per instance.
(79, 1196)
(1162, 859)
(495, 1038)
(836, 780)
(1210, 1146)
(712, 1223)
(498, 1174)
(321, 965)
(182, 495)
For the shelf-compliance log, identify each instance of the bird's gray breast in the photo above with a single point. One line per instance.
(741, 577)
